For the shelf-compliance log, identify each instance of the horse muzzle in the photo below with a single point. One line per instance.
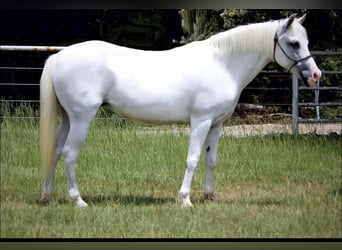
(311, 78)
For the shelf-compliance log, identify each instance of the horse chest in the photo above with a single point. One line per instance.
(226, 109)
(226, 102)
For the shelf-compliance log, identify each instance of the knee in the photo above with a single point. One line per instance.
(69, 156)
(191, 163)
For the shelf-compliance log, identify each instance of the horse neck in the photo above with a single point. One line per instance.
(246, 50)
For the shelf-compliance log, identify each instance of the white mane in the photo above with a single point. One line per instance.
(252, 37)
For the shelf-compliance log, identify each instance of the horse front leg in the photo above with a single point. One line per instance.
(199, 131)
(211, 146)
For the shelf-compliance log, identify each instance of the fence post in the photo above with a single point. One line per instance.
(318, 115)
(294, 105)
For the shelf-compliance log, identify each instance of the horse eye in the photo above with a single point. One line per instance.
(294, 44)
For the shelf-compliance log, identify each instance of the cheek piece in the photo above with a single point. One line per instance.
(295, 62)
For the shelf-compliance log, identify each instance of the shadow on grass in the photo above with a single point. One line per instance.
(128, 199)
(146, 200)
(266, 201)
(262, 202)
(116, 199)
(137, 200)
(337, 191)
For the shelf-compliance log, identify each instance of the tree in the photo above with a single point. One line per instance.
(199, 24)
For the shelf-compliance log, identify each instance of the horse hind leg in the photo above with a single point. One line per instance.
(79, 126)
(211, 145)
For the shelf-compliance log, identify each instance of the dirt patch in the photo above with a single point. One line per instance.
(254, 129)
(268, 129)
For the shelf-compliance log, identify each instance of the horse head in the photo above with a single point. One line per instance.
(291, 50)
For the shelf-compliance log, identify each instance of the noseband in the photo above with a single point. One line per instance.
(295, 62)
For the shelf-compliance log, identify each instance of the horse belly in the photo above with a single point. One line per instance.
(149, 110)
(149, 106)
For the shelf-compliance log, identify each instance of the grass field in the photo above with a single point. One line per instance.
(269, 186)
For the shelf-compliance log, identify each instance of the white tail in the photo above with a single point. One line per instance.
(48, 119)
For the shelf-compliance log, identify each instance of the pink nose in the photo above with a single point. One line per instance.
(316, 75)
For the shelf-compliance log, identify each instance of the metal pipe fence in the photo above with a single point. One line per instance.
(296, 105)
(296, 89)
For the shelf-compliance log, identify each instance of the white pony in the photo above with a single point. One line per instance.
(198, 83)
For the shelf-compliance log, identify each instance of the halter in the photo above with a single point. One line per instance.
(295, 62)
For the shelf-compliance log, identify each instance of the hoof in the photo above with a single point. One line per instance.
(81, 203)
(48, 200)
(211, 197)
(185, 201)
(187, 204)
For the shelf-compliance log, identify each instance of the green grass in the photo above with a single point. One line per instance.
(273, 186)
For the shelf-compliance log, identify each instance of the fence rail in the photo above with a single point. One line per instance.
(296, 105)
(31, 48)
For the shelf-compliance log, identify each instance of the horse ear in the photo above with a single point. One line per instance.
(302, 19)
(290, 20)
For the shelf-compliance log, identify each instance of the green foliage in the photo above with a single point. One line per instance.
(331, 63)
(236, 17)
(199, 24)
